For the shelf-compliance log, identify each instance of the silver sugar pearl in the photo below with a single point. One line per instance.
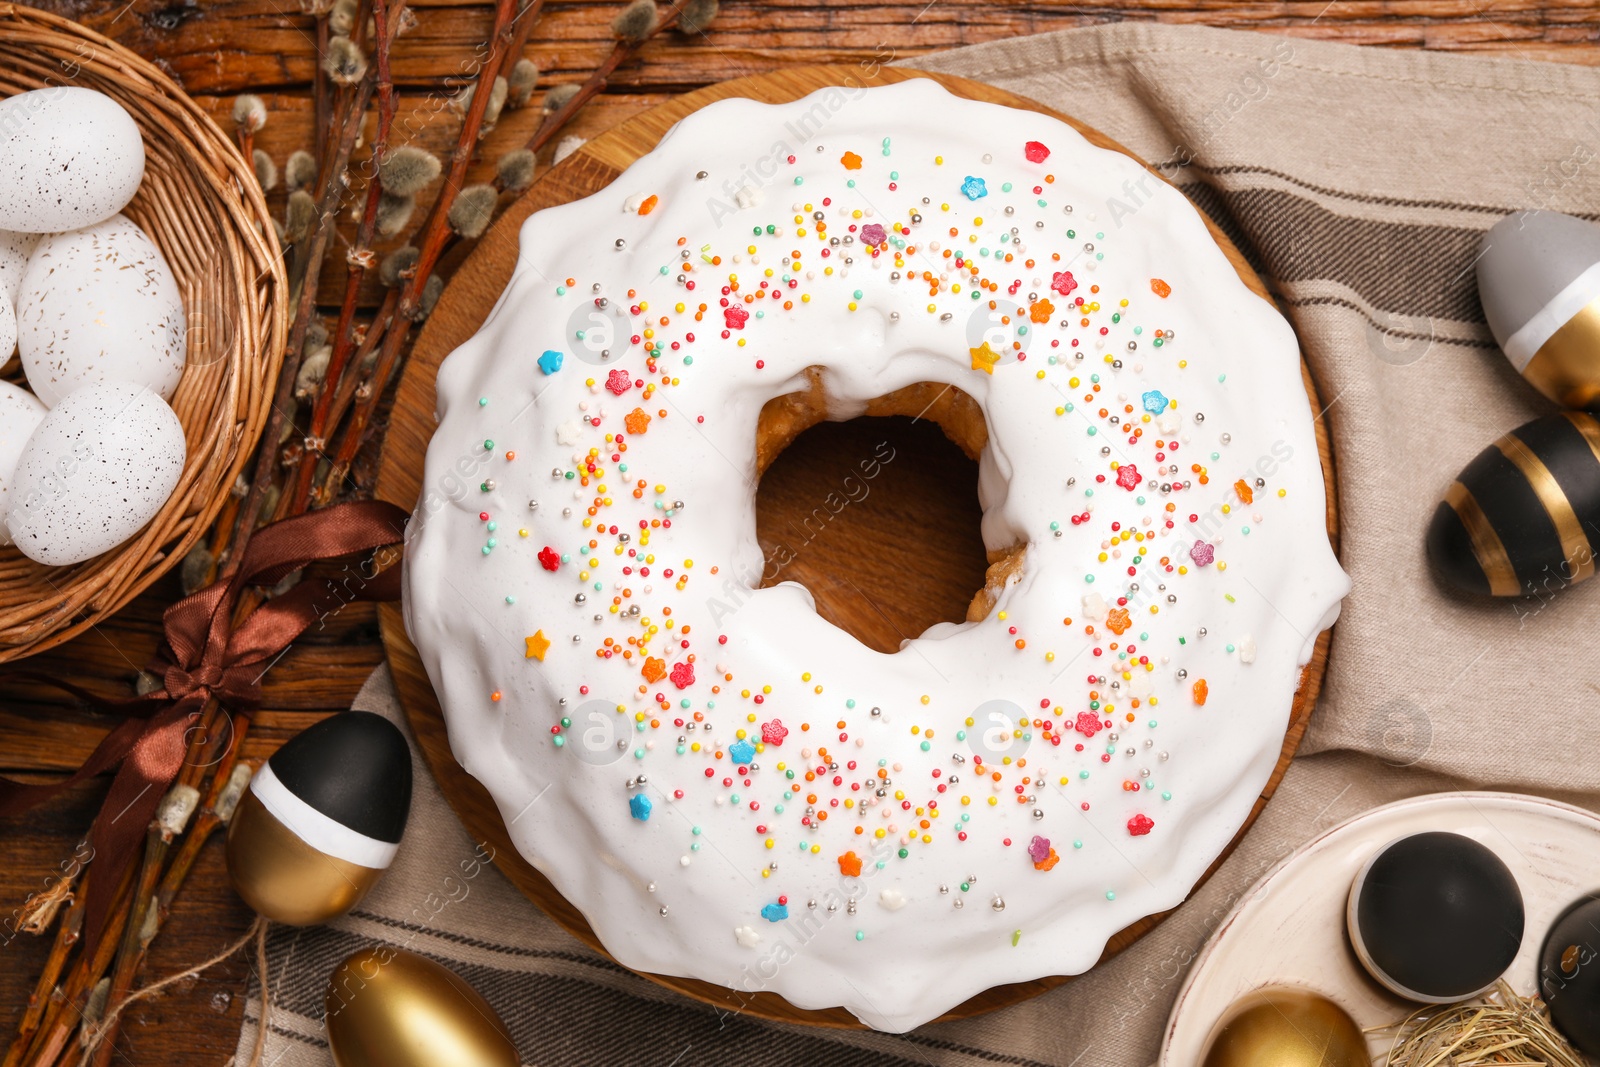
(700, 176)
(960, 903)
(998, 904)
(620, 244)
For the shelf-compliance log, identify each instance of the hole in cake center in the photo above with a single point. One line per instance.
(876, 516)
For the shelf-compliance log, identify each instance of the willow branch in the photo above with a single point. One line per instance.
(358, 260)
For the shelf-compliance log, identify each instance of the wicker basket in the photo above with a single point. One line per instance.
(201, 205)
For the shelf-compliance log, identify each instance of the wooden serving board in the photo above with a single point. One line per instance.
(924, 588)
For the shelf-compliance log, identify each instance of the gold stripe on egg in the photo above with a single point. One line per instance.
(1486, 544)
(1574, 543)
(1588, 427)
(1566, 368)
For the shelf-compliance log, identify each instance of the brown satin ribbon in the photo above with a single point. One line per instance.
(203, 655)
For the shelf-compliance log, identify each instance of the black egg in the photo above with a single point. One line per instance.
(322, 819)
(1569, 974)
(1435, 917)
(1523, 518)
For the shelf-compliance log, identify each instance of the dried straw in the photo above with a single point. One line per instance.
(1497, 1030)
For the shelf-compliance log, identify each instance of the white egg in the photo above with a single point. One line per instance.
(100, 466)
(8, 330)
(69, 157)
(20, 414)
(100, 304)
(15, 248)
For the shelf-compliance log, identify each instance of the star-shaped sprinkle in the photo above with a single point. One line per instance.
(536, 646)
(984, 358)
(1063, 282)
(974, 188)
(850, 865)
(851, 161)
(551, 361)
(1035, 151)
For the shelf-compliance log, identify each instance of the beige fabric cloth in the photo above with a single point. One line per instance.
(1358, 182)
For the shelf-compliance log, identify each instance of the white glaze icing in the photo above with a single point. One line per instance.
(905, 950)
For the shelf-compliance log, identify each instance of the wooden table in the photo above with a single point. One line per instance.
(226, 47)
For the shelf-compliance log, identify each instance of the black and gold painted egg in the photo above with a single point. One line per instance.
(322, 819)
(1569, 974)
(1524, 517)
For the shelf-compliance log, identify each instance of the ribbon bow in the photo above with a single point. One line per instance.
(203, 656)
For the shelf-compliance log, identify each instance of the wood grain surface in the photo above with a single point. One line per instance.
(222, 47)
(928, 588)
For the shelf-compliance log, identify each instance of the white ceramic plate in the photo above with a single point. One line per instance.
(1289, 928)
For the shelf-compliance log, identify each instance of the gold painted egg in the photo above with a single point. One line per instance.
(1283, 1027)
(391, 1008)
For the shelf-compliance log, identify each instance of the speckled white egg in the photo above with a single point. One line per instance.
(100, 304)
(100, 466)
(15, 249)
(20, 415)
(69, 158)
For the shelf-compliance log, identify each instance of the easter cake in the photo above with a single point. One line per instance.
(729, 787)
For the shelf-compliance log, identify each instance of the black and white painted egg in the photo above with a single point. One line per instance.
(99, 304)
(322, 819)
(1539, 282)
(20, 415)
(69, 157)
(98, 467)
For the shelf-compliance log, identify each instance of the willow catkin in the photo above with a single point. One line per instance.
(635, 22)
(514, 171)
(344, 63)
(249, 112)
(299, 170)
(407, 170)
(524, 79)
(469, 216)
